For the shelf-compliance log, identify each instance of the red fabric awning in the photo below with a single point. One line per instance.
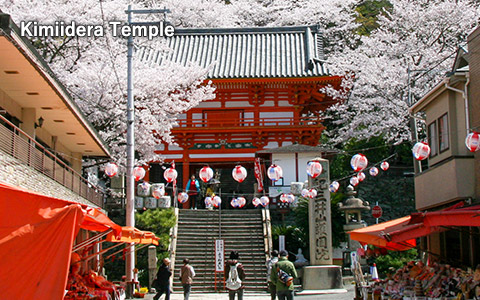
(378, 235)
(133, 235)
(36, 239)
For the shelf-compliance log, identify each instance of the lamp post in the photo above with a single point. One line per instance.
(130, 193)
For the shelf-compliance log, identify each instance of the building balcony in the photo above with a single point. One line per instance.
(450, 180)
(21, 154)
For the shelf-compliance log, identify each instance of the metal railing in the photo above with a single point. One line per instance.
(15, 142)
(250, 122)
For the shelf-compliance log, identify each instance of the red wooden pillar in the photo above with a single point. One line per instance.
(186, 176)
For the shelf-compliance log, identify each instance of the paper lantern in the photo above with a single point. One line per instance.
(305, 193)
(208, 202)
(472, 141)
(421, 151)
(283, 198)
(182, 197)
(373, 171)
(234, 203)
(256, 201)
(170, 174)
(239, 173)
(334, 187)
(241, 201)
(138, 173)
(111, 169)
(216, 201)
(314, 169)
(361, 176)
(359, 162)
(354, 181)
(205, 174)
(290, 198)
(384, 165)
(274, 172)
(158, 191)
(264, 200)
(312, 193)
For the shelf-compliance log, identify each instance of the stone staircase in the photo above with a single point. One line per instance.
(242, 230)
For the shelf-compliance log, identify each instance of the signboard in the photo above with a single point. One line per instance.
(219, 256)
(281, 242)
(377, 211)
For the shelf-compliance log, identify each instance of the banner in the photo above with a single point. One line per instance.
(219, 256)
(258, 174)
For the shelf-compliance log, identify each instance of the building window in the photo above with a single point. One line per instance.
(432, 139)
(443, 137)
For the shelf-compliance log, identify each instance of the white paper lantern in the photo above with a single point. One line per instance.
(334, 186)
(384, 165)
(290, 198)
(234, 203)
(264, 200)
(208, 202)
(305, 193)
(239, 173)
(373, 171)
(205, 174)
(421, 151)
(283, 198)
(359, 162)
(361, 176)
(241, 201)
(170, 174)
(274, 172)
(182, 197)
(312, 193)
(216, 201)
(256, 201)
(472, 141)
(138, 173)
(314, 169)
(354, 181)
(111, 169)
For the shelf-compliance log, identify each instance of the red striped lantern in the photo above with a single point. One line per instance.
(384, 165)
(182, 197)
(138, 173)
(314, 169)
(241, 201)
(264, 200)
(216, 201)
(361, 176)
(205, 174)
(354, 181)
(334, 187)
(359, 162)
(239, 173)
(256, 201)
(274, 172)
(312, 193)
(283, 198)
(111, 169)
(421, 151)
(305, 193)
(170, 174)
(472, 141)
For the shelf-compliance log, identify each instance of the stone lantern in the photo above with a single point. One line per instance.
(352, 208)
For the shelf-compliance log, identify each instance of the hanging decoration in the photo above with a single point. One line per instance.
(361, 176)
(208, 202)
(421, 151)
(472, 141)
(305, 193)
(182, 197)
(354, 181)
(216, 201)
(312, 193)
(359, 162)
(373, 171)
(158, 191)
(264, 200)
(170, 174)
(241, 201)
(111, 169)
(283, 198)
(314, 168)
(205, 174)
(234, 203)
(274, 172)
(256, 201)
(333, 188)
(138, 173)
(239, 173)
(384, 166)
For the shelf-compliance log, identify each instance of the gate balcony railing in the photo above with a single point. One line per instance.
(21, 146)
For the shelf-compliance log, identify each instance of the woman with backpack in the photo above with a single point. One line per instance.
(235, 274)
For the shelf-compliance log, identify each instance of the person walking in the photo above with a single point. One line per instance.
(163, 280)
(272, 289)
(193, 188)
(283, 273)
(186, 277)
(235, 282)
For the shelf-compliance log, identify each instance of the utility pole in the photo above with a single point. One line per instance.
(130, 212)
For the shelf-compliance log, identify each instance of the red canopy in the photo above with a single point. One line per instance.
(36, 238)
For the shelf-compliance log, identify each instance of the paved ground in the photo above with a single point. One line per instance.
(347, 294)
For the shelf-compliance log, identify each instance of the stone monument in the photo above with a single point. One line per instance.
(321, 275)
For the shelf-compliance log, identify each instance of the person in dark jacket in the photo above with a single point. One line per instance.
(163, 278)
(233, 261)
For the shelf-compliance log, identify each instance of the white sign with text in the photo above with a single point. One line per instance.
(219, 256)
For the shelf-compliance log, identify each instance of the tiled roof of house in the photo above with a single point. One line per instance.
(263, 52)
